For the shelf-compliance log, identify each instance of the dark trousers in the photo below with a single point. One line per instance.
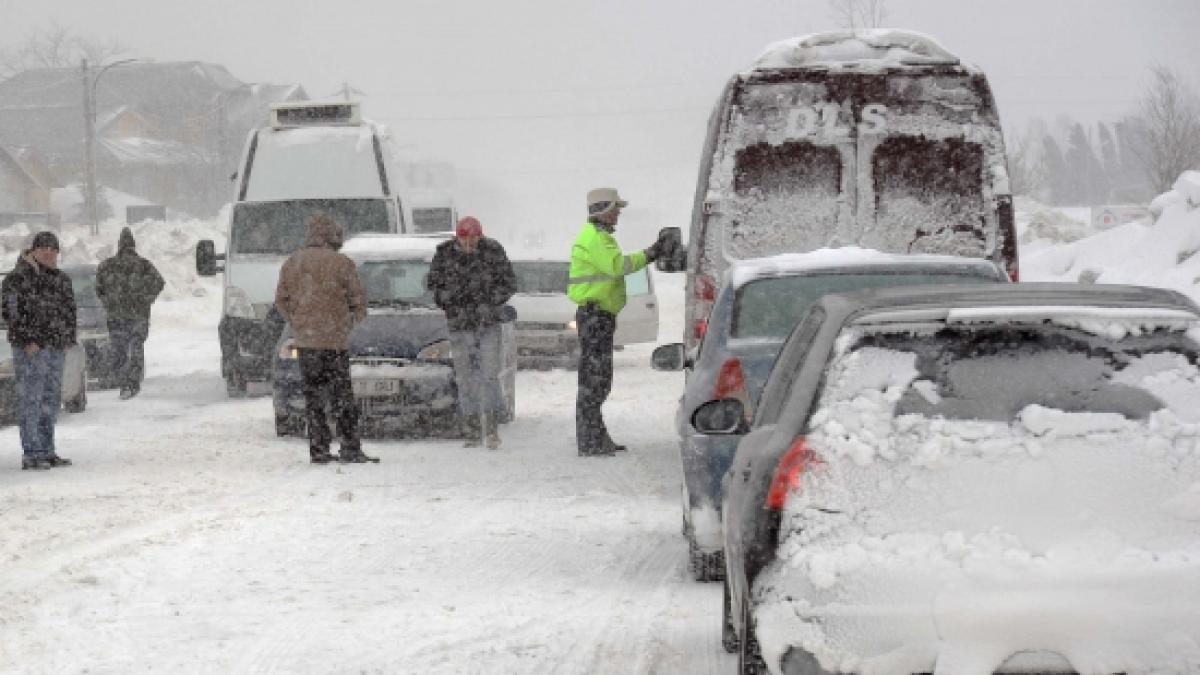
(326, 374)
(596, 329)
(127, 364)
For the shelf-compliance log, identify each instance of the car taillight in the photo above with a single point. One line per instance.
(731, 380)
(1014, 273)
(700, 328)
(788, 473)
(705, 289)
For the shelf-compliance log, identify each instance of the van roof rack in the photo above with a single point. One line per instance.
(316, 113)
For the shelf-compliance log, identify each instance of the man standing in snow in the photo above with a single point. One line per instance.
(127, 285)
(320, 295)
(471, 278)
(597, 285)
(39, 308)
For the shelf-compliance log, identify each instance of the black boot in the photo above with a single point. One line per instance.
(320, 456)
(55, 460)
(354, 455)
(35, 463)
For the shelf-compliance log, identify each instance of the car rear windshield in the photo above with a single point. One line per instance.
(996, 373)
(770, 308)
(428, 220)
(541, 277)
(393, 281)
(280, 228)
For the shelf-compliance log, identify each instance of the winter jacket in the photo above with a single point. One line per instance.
(471, 287)
(319, 292)
(127, 283)
(38, 305)
(598, 269)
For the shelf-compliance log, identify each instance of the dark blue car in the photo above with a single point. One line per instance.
(400, 365)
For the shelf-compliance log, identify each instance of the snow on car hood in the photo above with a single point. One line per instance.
(924, 540)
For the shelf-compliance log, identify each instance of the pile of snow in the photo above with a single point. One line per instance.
(170, 245)
(863, 51)
(1160, 254)
(1039, 225)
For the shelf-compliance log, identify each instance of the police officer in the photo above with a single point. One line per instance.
(597, 285)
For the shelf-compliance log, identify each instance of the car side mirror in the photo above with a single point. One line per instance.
(720, 418)
(669, 357)
(206, 258)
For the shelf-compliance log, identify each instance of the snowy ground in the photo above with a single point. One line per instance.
(187, 537)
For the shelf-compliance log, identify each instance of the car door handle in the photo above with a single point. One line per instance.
(650, 305)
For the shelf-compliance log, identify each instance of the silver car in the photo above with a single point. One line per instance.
(969, 479)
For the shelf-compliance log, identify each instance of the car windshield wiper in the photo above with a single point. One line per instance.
(399, 303)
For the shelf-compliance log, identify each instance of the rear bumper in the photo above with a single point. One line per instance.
(547, 343)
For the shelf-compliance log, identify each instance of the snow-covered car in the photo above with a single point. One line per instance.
(546, 331)
(92, 322)
(757, 307)
(970, 480)
(400, 360)
(74, 382)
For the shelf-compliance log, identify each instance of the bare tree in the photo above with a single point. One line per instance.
(858, 14)
(1166, 127)
(55, 46)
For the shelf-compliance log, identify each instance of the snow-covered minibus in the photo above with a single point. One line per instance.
(881, 139)
(313, 156)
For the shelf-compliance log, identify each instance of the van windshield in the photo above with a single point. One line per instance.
(898, 162)
(280, 228)
(541, 277)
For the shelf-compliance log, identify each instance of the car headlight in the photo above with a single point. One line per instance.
(288, 351)
(571, 325)
(436, 351)
(237, 303)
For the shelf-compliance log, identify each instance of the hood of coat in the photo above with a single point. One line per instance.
(125, 242)
(324, 232)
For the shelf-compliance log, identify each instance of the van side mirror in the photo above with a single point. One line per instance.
(720, 418)
(206, 258)
(669, 357)
(674, 253)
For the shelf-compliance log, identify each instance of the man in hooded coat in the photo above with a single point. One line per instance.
(127, 285)
(322, 297)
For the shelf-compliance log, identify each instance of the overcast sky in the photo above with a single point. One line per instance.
(556, 95)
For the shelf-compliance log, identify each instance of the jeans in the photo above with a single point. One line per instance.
(596, 330)
(128, 362)
(476, 355)
(39, 396)
(326, 374)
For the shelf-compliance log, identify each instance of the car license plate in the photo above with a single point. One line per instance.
(376, 387)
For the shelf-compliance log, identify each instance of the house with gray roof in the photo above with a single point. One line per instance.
(167, 132)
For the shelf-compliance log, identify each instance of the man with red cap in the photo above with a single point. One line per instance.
(471, 279)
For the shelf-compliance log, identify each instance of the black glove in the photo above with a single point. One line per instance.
(486, 313)
(654, 251)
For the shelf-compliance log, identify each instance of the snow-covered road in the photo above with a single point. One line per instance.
(188, 538)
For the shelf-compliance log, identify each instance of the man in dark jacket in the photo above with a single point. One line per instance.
(471, 278)
(127, 285)
(39, 308)
(321, 296)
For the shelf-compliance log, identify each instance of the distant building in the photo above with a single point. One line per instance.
(24, 185)
(168, 132)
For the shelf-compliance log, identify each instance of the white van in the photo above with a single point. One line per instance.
(312, 157)
(433, 211)
(881, 139)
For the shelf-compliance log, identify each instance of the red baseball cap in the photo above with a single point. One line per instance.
(469, 227)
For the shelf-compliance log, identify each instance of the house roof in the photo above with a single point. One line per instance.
(43, 108)
(27, 166)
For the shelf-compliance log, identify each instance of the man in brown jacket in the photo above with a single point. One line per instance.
(321, 296)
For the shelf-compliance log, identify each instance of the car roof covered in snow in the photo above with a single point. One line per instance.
(392, 246)
(743, 272)
(1010, 302)
(867, 51)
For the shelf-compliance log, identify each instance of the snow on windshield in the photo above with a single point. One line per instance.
(1002, 492)
(298, 163)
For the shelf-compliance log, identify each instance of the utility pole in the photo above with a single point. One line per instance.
(89, 153)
